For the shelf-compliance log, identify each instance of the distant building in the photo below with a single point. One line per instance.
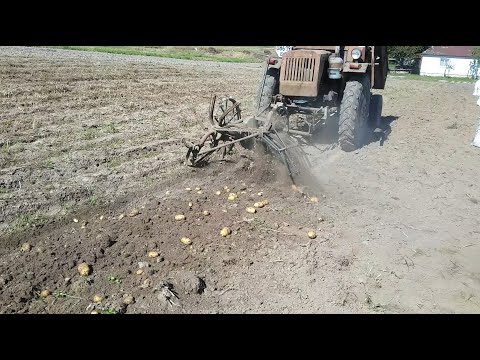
(448, 61)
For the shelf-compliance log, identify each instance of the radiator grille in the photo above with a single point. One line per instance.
(300, 69)
(301, 72)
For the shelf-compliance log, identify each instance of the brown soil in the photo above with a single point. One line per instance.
(87, 139)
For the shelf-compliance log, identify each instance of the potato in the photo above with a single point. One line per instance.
(265, 202)
(259, 204)
(198, 188)
(75, 220)
(251, 210)
(97, 298)
(185, 241)
(260, 193)
(225, 231)
(314, 199)
(146, 283)
(26, 247)
(133, 213)
(94, 312)
(190, 204)
(45, 293)
(232, 196)
(225, 187)
(200, 192)
(188, 189)
(206, 212)
(84, 269)
(218, 192)
(152, 254)
(139, 272)
(179, 217)
(128, 299)
(312, 234)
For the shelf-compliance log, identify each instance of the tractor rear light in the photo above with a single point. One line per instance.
(271, 61)
(355, 66)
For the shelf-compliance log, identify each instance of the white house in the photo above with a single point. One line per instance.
(447, 61)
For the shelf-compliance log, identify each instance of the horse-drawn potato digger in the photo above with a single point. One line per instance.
(302, 90)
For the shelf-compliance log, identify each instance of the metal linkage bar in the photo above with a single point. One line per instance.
(229, 143)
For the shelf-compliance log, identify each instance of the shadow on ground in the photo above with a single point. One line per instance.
(329, 135)
(381, 133)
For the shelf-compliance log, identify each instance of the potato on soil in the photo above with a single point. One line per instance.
(185, 240)
(128, 299)
(225, 231)
(134, 212)
(26, 247)
(84, 269)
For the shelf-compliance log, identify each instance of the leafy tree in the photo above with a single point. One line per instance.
(475, 63)
(448, 66)
(405, 54)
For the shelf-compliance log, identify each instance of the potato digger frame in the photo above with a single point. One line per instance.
(229, 129)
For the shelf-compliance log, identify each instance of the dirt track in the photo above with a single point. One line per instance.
(93, 136)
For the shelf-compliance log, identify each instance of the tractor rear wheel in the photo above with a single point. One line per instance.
(354, 113)
(267, 88)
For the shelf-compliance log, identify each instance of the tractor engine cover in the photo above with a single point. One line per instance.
(301, 72)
